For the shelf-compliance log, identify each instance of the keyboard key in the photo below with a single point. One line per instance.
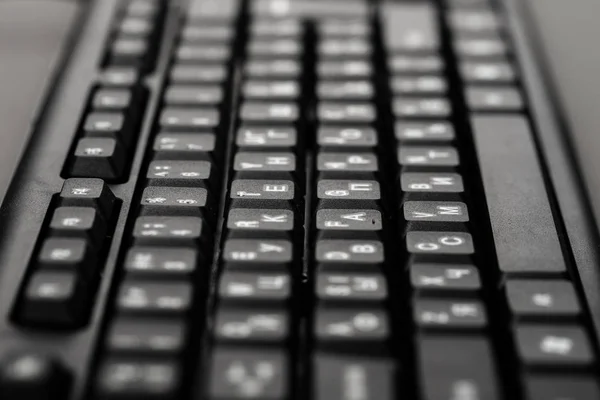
(336, 376)
(119, 76)
(351, 287)
(279, 28)
(180, 95)
(154, 297)
(329, 189)
(553, 346)
(409, 27)
(435, 211)
(267, 136)
(431, 156)
(499, 99)
(345, 90)
(198, 74)
(451, 365)
(473, 47)
(99, 158)
(269, 112)
(515, 205)
(368, 252)
(175, 201)
(180, 173)
(421, 85)
(274, 48)
(161, 261)
(79, 222)
(29, 375)
(260, 189)
(417, 64)
(185, 145)
(193, 34)
(68, 255)
(347, 137)
(442, 314)
(276, 68)
(189, 119)
(267, 163)
(474, 22)
(94, 193)
(347, 162)
(336, 27)
(206, 52)
(213, 10)
(406, 107)
(443, 278)
(112, 99)
(256, 326)
(556, 387)
(353, 47)
(143, 378)
(270, 90)
(349, 220)
(178, 231)
(54, 299)
(344, 69)
(431, 184)
(487, 72)
(103, 124)
(255, 286)
(135, 27)
(362, 326)
(437, 131)
(243, 374)
(542, 298)
(260, 220)
(266, 253)
(128, 52)
(312, 10)
(156, 336)
(439, 243)
(346, 113)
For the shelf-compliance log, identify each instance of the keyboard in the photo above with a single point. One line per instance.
(291, 199)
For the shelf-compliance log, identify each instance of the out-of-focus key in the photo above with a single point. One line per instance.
(409, 26)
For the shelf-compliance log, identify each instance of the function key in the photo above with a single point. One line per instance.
(28, 375)
(553, 346)
(70, 255)
(112, 99)
(82, 222)
(54, 299)
(542, 298)
(119, 77)
(90, 192)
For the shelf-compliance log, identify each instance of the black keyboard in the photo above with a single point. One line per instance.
(288, 199)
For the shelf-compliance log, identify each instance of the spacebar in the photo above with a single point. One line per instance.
(522, 223)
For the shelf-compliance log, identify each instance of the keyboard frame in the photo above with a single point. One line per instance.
(24, 210)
